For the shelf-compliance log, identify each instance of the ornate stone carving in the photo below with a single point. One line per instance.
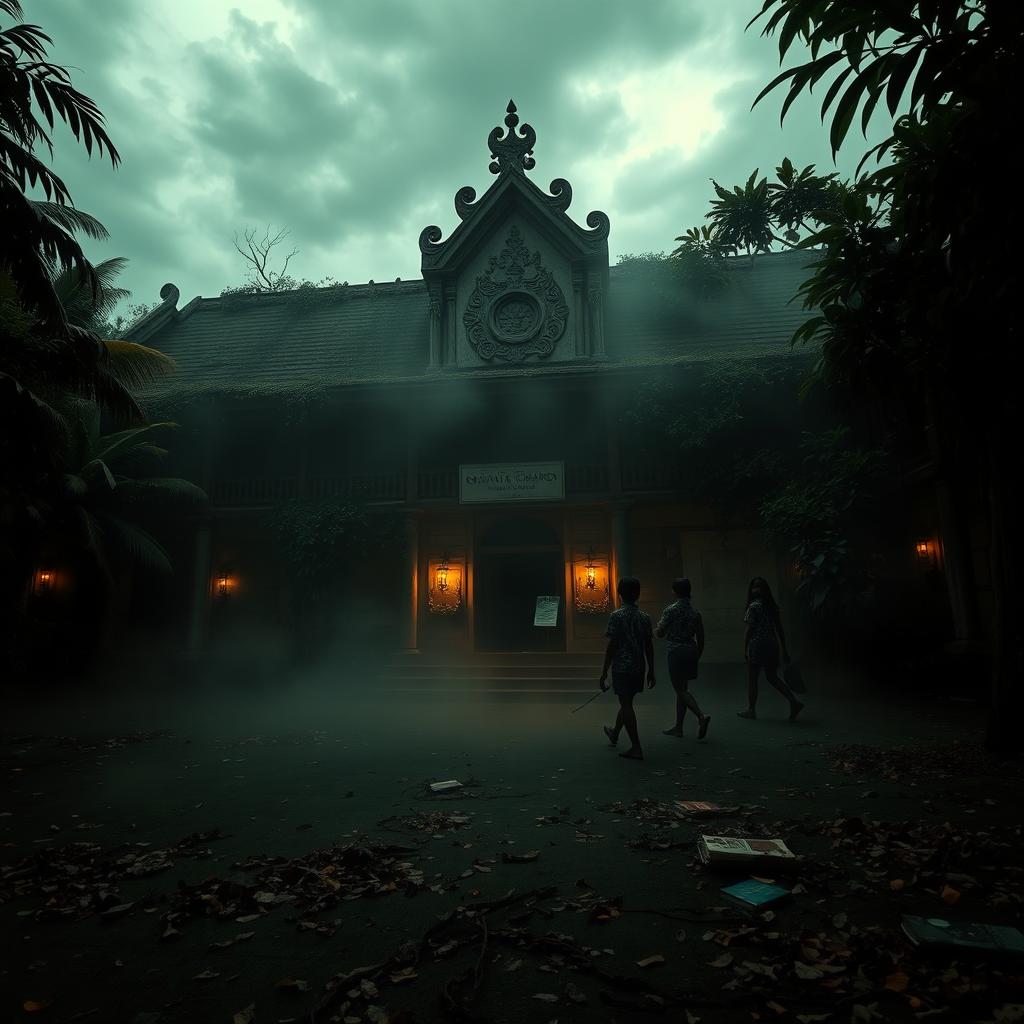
(511, 151)
(430, 240)
(517, 309)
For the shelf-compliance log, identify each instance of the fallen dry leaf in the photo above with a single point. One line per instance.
(723, 961)
(35, 1005)
(950, 895)
(650, 961)
(897, 982)
(293, 985)
(520, 858)
(245, 1016)
(806, 972)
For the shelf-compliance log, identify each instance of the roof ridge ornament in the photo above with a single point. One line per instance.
(512, 151)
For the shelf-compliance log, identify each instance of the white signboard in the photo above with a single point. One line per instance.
(518, 481)
(546, 612)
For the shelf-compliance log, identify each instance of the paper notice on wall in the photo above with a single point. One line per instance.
(546, 612)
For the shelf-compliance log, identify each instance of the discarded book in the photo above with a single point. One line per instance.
(446, 786)
(722, 851)
(938, 933)
(702, 807)
(753, 893)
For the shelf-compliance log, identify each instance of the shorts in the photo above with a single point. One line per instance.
(627, 684)
(682, 664)
(764, 654)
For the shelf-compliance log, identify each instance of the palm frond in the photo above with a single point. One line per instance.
(137, 543)
(162, 492)
(93, 539)
(83, 308)
(135, 365)
(113, 447)
(114, 396)
(70, 219)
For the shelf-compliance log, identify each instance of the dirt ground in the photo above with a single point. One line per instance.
(275, 854)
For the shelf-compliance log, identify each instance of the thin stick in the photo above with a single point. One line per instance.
(582, 706)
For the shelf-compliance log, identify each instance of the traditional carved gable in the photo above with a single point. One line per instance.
(518, 280)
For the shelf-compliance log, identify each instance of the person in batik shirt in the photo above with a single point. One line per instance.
(630, 647)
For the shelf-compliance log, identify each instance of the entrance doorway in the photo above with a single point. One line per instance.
(517, 560)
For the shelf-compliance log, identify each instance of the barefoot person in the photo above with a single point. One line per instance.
(761, 640)
(630, 644)
(682, 627)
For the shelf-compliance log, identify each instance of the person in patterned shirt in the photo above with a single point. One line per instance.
(761, 640)
(630, 645)
(682, 628)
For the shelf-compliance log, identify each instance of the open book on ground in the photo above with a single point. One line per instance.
(731, 850)
(754, 893)
(938, 933)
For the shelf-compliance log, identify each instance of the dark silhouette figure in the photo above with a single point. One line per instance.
(630, 645)
(761, 641)
(682, 628)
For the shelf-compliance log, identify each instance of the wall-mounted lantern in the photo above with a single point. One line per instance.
(223, 584)
(592, 594)
(444, 595)
(927, 552)
(43, 581)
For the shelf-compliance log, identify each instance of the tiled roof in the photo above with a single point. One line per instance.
(378, 333)
(756, 315)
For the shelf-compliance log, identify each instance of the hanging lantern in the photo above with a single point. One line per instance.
(592, 594)
(444, 596)
(927, 553)
(223, 585)
(43, 581)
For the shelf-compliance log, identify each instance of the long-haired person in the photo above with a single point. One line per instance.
(762, 639)
(682, 628)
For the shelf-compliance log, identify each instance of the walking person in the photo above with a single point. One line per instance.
(630, 645)
(762, 639)
(682, 628)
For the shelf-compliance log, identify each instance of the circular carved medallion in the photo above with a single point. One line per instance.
(515, 317)
(517, 308)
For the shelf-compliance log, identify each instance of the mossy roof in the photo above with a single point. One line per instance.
(375, 334)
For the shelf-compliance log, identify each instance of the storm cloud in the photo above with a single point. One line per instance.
(353, 124)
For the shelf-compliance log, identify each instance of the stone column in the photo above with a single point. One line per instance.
(434, 311)
(579, 308)
(621, 555)
(412, 582)
(596, 297)
(450, 348)
(200, 610)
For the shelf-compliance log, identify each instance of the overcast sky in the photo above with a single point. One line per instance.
(353, 122)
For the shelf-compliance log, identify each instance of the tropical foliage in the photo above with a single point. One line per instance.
(833, 487)
(106, 500)
(916, 287)
(39, 234)
(316, 537)
(62, 362)
(729, 427)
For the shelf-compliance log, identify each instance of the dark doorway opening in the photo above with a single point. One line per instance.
(517, 561)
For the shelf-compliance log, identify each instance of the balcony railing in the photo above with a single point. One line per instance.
(254, 490)
(436, 484)
(586, 477)
(649, 473)
(639, 474)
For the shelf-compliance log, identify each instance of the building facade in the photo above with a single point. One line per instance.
(482, 407)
